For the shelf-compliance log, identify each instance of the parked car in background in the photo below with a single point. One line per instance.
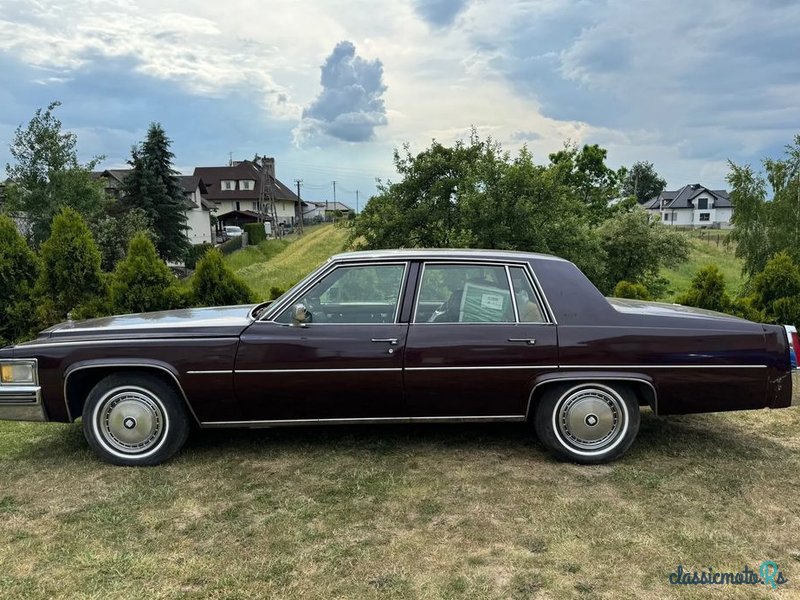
(232, 231)
(401, 336)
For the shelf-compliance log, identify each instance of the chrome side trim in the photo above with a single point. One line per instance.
(365, 421)
(143, 365)
(221, 372)
(489, 368)
(663, 366)
(513, 295)
(590, 379)
(35, 346)
(251, 371)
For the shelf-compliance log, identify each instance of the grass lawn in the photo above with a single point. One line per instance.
(282, 263)
(706, 250)
(401, 512)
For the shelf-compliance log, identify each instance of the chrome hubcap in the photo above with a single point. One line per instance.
(590, 418)
(131, 421)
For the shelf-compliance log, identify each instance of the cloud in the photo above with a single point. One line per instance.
(350, 105)
(439, 13)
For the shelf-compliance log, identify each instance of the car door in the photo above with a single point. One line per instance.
(342, 359)
(479, 336)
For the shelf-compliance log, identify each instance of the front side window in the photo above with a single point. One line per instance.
(464, 294)
(352, 294)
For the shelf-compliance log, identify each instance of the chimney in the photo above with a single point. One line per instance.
(268, 163)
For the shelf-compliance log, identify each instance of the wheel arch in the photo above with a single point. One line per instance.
(80, 378)
(642, 385)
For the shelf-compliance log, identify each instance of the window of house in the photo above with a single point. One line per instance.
(246, 184)
(702, 204)
(227, 185)
(237, 206)
(464, 294)
(352, 294)
(705, 216)
(255, 206)
(666, 216)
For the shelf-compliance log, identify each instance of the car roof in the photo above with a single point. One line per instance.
(441, 253)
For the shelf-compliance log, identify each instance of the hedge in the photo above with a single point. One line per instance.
(232, 245)
(196, 252)
(255, 233)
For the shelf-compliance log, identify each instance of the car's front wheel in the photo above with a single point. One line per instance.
(587, 422)
(134, 419)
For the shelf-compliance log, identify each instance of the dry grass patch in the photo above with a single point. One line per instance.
(400, 512)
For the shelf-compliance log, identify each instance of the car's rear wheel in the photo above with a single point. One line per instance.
(134, 419)
(587, 422)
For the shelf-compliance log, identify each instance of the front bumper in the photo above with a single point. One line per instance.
(795, 387)
(21, 403)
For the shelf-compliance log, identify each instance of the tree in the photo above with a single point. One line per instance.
(71, 274)
(46, 175)
(214, 284)
(18, 271)
(642, 182)
(153, 186)
(707, 291)
(586, 172)
(142, 282)
(636, 248)
(114, 234)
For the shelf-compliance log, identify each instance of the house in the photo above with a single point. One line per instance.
(326, 211)
(197, 209)
(235, 191)
(693, 205)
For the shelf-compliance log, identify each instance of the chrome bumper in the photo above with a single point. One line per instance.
(796, 387)
(21, 403)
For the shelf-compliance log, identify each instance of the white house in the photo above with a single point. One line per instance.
(693, 205)
(198, 210)
(325, 210)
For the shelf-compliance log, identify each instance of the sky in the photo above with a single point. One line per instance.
(331, 89)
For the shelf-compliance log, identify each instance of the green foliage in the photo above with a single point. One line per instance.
(585, 172)
(153, 186)
(776, 287)
(636, 291)
(19, 268)
(214, 284)
(142, 281)
(255, 233)
(232, 245)
(642, 182)
(71, 274)
(196, 252)
(707, 291)
(276, 292)
(636, 248)
(46, 175)
(114, 234)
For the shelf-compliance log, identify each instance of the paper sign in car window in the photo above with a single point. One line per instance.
(484, 304)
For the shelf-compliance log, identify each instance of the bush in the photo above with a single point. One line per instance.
(786, 311)
(707, 291)
(114, 234)
(71, 274)
(214, 284)
(19, 268)
(196, 252)
(779, 279)
(141, 280)
(255, 233)
(232, 245)
(636, 291)
(276, 292)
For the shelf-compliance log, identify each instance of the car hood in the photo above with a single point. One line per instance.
(216, 321)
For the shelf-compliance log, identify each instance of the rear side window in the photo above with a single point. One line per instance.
(528, 307)
(464, 294)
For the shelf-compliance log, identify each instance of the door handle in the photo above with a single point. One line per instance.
(529, 341)
(392, 341)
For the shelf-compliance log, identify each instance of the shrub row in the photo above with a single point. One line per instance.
(255, 233)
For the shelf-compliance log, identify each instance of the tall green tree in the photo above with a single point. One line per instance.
(114, 234)
(642, 182)
(70, 276)
(19, 269)
(153, 186)
(585, 171)
(46, 176)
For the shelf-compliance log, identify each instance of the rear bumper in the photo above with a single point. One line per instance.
(796, 387)
(21, 403)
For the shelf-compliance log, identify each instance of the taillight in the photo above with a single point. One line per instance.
(794, 344)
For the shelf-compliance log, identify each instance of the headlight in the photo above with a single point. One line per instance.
(18, 371)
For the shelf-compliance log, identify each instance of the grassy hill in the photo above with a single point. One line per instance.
(282, 263)
(706, 249)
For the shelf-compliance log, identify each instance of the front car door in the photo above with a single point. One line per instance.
(480, 334)
(343, 361)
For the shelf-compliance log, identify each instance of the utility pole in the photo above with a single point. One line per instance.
(356, 201)
(334, 200)
(299, 203)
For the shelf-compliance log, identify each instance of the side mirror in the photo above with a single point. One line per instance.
(300, 315)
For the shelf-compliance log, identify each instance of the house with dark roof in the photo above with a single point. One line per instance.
(198, 210)
(325, 211)
(235, 191)
(693, 205)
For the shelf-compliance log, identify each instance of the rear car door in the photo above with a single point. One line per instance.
(342, 362)
(479, 336)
